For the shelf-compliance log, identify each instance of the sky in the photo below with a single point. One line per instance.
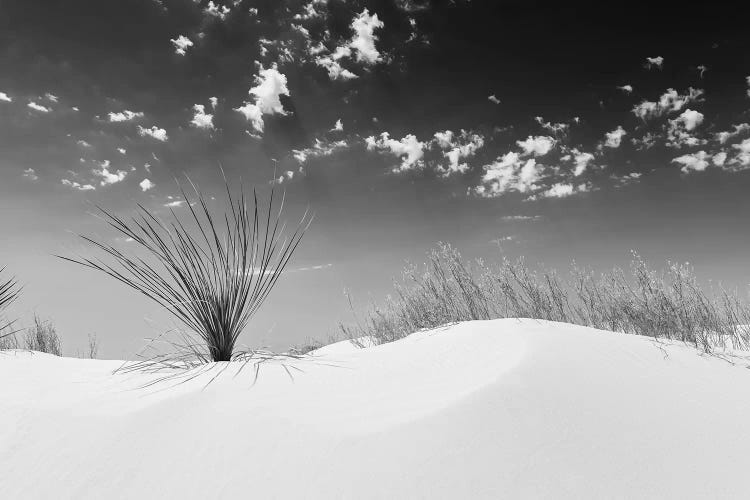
(509, 128)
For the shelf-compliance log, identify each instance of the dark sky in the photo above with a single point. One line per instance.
(570, 131)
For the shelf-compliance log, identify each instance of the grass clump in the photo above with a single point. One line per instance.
(42, 337)
(9, 292)
(669, 304)
(210, 271)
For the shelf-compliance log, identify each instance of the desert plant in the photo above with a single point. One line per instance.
(42, 337)
(9, 292)
(669, 304)
(213, 278)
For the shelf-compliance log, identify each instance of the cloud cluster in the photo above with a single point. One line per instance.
(201, 119)
(181, 44)
(361, 47)
(124, 116)
(154, 132)
(408, 148)
(270, 85)
(670, 101)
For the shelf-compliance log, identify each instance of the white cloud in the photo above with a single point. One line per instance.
(5, 97)
(174, 203)
(320, 148)
(30, 173)
(218, 11)
(154, 132)
(107, 176)
(122, 151)
(654, 62)
(689, 118)
(723, 137)
(83, 144)
(614, 138)
(76, 185)
(270, 85)
(695, 162)
(146, 184)
(335, 70)
(214, 102)
(51, 97)
(743, 155)
(125, 116)
(493, 99)
(719, 159)
(38, 107)
(555, 128)
(509, 173)
(201, 119)
(181, 44)
(310, 10)
(670, 101)
(363, 43)
(409, 149)
(458, 147)
(626, 88)
(702, 69)
(539, 145)
(561, 190)
(582, 161)
(338, 126)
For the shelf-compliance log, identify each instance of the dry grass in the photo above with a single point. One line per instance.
(9, 292)
(42, 337)
(669, 304)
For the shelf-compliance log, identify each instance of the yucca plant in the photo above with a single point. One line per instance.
(9, 292)
(212, 278)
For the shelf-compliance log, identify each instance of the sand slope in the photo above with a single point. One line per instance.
(492, 409)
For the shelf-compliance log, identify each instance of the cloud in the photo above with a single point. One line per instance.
(628, 89)
(310, 10)
(670, 101)
(723, 137)
(146, 184)
(83, 144)
(107, 176)
(654, 62)
(181, 44)
(509, 173)
(493, 99)
(51, 97)
(561, 190)
(214, 102)
(76, 185)
(174, 203)
(679, 128)
(124, 116)
(122, 151)
(409, 149)
(743, 155)
(538, 146)
(689, 118)
(270, 85)
(702, 69)
(319, 149)
(555, 128)
(201, 119)
(38, 107)
(695, 162)
(30, 173)
(719, 159)
(363, 43)
(338, 126)
(458, 147)
(5, 97)
(582, 161)
(218, 11)
(614, 138)
(154, 132)
(335, 70)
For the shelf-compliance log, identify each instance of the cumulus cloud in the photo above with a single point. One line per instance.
(614, 138)
(689, 119)
(493, 99)
(83, 144)
(338, 126)
(628, 89)
(146, 184)
(201, 119)
(320, 148)
(219, 11)
(561, 190)
(154, 132)
(107, 176)
(334, 68)
(582, 160)
(538, 146)
(456, 148)
(311, 10)
(408, 148)
(181, 44)
(363, 43)
(743, 153)
(125, 116)
(51, 97)
(30, 173)
(723, 137)
(509, 173)
(555, 128)
(214, 102)
(719, 159)
(694, 162)
(270, 85)
(5, 97)
(670, 101)
(38, 107)
(654, 62)
(702, 69)
(122, 151)
(78, 186)
(678, 134)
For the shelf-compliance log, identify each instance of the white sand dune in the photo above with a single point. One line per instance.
(491, 409)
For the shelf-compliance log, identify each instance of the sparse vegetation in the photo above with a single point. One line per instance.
(668, 304)
(42, 337)
(9, 292)
(212, 278)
